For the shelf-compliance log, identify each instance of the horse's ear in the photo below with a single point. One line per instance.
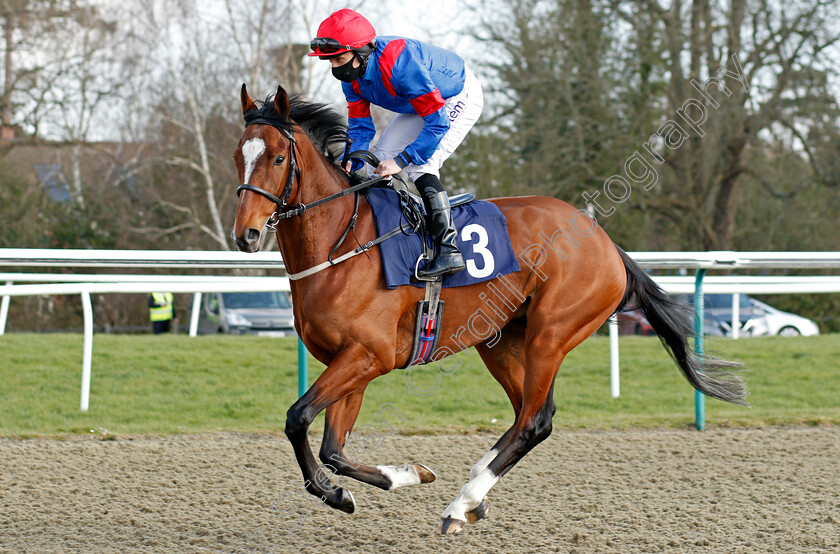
(281, 102)
(247, 103)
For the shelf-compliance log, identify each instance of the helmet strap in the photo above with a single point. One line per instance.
(364, 53)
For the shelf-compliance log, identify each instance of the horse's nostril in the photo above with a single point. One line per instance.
(252, 236)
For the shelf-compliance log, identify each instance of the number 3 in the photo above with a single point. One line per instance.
(479, 248)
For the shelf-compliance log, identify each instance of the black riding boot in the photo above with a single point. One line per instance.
(439, 220)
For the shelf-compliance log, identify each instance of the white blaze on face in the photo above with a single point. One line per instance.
(251, 151)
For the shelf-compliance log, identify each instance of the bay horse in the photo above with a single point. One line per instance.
(572, 278)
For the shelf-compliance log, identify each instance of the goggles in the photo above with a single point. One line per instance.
(327, 46)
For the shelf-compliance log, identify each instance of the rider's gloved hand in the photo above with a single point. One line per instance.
(353, 165)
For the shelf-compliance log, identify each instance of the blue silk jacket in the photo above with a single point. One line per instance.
(405, 76)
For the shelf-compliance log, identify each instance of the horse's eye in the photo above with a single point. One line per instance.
(279, 159)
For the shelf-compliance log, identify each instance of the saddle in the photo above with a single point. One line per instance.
(430, 309)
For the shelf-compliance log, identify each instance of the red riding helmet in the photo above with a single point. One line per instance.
(342, 31)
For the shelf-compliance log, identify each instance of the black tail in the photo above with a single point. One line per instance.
(673, 322)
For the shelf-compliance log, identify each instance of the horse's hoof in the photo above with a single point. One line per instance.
(479, 512)
(346, 503)
(450, 526)
(426, 474)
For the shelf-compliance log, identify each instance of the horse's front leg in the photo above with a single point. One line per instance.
(340, 418)
(353, 368)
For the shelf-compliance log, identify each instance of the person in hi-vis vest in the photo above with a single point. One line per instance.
(161, 311)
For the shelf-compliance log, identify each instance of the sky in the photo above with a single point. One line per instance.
(437, 21)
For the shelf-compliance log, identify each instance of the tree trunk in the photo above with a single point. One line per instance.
(6, 104)
(76, 175)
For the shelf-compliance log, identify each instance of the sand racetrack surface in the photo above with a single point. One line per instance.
(723, 490)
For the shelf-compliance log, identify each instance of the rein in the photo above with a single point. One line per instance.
(298, 209)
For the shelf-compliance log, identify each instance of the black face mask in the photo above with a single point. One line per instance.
(347, 72)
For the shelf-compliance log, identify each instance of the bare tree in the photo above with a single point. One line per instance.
(194, 59)
(78, 86)
(783, 58)
(258, 30)
(585, 83)
(26, 26)
(186, 93)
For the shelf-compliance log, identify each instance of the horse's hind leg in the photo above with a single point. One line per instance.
(506, 362)
(340, 418)
(547, 340)
(532, 426)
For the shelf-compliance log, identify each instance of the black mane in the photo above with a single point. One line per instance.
(325, 127)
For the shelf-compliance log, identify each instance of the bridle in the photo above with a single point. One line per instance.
(284, 211)
(294, 175)
(287, 212)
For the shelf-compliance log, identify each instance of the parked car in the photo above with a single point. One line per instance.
(718, 315)
(756, 318)
(634, 322)
(238, 313)
(785, 324)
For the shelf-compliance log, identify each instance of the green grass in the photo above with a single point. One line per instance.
(173, 384)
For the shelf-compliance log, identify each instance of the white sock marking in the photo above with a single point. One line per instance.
(400, 476)
(471, 495)
(251, 151)
(483, 463)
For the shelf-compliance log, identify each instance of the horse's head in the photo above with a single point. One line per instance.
(267, 167)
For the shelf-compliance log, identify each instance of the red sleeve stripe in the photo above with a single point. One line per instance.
(359, 108)
(389, 56)
(428, 103)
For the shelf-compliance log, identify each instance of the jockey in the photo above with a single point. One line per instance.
(437, 100)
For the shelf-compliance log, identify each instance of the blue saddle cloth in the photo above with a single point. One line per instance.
(482, 238)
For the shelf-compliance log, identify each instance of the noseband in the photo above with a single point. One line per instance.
(294, 175)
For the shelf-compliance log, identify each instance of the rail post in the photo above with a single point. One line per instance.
(195, 313)
(699, 330)
(4, 310)
(87, 355)
(303, 368)
(614, 371)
